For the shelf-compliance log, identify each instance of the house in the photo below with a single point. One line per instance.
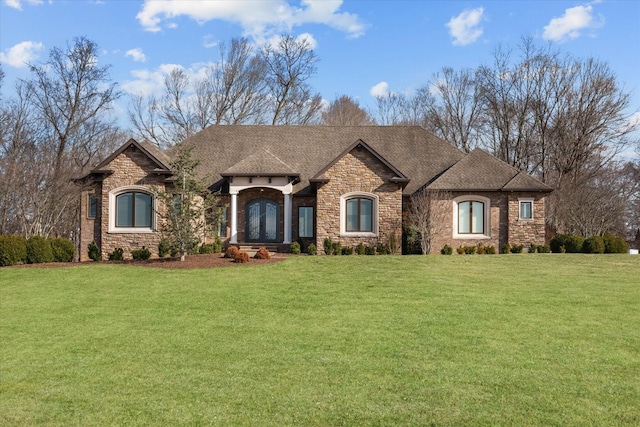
(281, 184)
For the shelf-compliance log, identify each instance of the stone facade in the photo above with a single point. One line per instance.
(359, 171)
(130, 168)
(526, 231)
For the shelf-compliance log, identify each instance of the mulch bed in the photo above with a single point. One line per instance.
(192, 261)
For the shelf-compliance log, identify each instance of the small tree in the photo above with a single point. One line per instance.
(186, 206)
(427, 216)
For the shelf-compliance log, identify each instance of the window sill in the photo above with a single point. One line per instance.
(358, 234)
(131, 230)
(471, 236)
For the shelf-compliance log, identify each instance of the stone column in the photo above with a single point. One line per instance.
(234, 217)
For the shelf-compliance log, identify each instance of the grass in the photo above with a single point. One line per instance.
(461, 340)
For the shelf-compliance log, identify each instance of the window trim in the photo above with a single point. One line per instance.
(112, 210)
(91, 196)
(374, 214)
(521, 201)
(486, 216)
(300, 208)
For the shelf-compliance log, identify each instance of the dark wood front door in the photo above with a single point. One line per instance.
(262, 219)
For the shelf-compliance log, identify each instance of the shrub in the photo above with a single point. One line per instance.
(347, 251)
(543, 249)
(164, 248)
(446, 250)
(490, 250)
(231, 252)
(572, 243)
(469, 250)
(460, 250)
(94, 251)
(116, 255)
(516, 249)
(383, 249)
(217, 245)
(141, 254)
(263, 253)
(393, 244)
(295, 248)
(480, 249)
(39, 250)
(593, 245)
(506, 248)
(335, 248)
(207, 248)
(614, 244)
(360, 249)
(369, 250)
(241, 257)
(62, 249)
(311, 249)
(13, 250)
(328, 246)
(532, 249)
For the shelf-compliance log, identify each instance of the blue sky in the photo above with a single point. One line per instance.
(365, 46)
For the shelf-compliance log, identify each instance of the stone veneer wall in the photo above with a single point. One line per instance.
(131, 167)
(359, 170)
(499, 223)
(525, 232)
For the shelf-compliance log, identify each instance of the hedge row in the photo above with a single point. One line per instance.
(18, 250)
(607, 244)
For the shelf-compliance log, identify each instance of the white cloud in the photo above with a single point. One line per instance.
(17, 4)
(465, 28)
(259, 19)
(381, 89)
(19, 55)
(570, 25)
(208, 41)
(136, 54)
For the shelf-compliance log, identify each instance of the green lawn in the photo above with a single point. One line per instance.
(387, 340)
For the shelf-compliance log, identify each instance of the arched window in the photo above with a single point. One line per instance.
(471, 217)
(359, 214)
(131, 210)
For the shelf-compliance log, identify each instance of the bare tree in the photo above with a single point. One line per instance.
(232, 92)
(456, 113)
(428, 215)
(391, 109)
(346, 111)
(290, 63)
(69, 97)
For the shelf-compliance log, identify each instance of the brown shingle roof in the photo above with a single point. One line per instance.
(480, 171)
(262, 163)
(308, 149)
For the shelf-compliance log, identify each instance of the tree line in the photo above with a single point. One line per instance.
(561, 119)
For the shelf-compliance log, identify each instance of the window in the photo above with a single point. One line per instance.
(359, 211)
(305, 221)
(471, 217)
(526, 209)
(359, 214)
(133, 209)
(93, 206)
(223, 223)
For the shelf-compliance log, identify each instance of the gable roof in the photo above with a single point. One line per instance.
(360, 144)
(480, 171)
(261, 163)
(158, 156)
(411, 151)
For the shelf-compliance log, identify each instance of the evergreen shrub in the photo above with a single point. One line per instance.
(13, 250)
(63, 250)
(39, 250)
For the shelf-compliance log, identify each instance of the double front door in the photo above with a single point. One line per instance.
(262, 219)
